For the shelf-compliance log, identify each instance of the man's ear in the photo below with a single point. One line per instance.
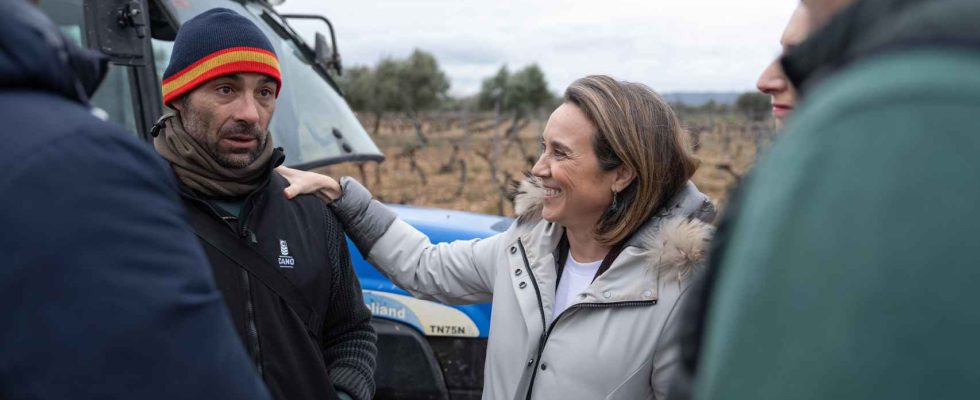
(179, 103)
(624, 177)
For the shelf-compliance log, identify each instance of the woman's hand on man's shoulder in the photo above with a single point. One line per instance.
(305, 182)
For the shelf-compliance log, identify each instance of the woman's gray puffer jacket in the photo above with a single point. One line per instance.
(607, 345)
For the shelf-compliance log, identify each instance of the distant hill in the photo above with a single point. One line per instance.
(696, 99)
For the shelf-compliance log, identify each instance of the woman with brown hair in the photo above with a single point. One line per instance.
(587, 278)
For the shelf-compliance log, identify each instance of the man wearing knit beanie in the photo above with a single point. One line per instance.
(282, 265)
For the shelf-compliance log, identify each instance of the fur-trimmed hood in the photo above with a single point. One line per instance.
(675, 240)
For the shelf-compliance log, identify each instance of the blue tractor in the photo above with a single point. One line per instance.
(426, 350)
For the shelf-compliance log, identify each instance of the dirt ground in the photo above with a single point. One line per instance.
(454, 169)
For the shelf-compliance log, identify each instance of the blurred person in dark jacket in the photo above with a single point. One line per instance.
(282, 265)
(104, 293)
(847, 267)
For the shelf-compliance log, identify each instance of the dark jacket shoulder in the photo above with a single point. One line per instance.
(103, 278)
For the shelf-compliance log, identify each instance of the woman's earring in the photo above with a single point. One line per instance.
(615, 203)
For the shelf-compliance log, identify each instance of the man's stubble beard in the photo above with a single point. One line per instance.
(198, 125)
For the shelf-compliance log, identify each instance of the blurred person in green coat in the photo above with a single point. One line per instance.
(847, 267)
(687, 334)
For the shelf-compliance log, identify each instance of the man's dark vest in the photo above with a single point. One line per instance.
(274, 267)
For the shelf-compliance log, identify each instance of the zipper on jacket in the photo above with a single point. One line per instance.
(252, 201)
(537, 292)
(251, 328)
(547, 333)
(544, 337)
(246, 212)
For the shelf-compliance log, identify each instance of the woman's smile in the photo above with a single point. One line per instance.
(550, 193)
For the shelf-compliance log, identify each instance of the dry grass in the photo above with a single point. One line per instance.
(727, 146)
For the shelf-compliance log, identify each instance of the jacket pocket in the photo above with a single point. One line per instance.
(637, 386)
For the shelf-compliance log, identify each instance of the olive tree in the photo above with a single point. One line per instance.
(364, 93)
(519, 95)
(419, 85)
(411, 85)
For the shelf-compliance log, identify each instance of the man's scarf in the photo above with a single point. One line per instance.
(199, 171)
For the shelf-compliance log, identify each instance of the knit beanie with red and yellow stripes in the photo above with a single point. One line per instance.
(215, 43)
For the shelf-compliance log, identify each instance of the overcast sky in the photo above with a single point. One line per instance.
(671, 45)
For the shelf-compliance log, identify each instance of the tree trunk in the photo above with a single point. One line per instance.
(414, 166)
(466, 129)
(448, 166)
(495, 158)
(377, 176)
(377, 123)
(512, 135)
(414, 115)
(462, 179)
(363, 173)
